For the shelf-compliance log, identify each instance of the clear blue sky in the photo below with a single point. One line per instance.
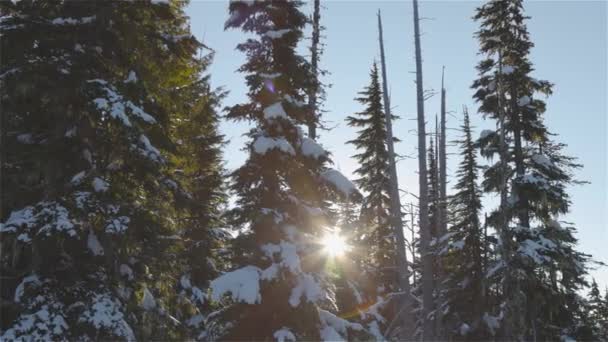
(570, 51)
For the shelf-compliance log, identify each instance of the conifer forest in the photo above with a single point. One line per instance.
(147, 194)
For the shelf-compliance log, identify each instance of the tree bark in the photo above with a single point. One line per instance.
(312, 96)
(425, 233)
(407, 323)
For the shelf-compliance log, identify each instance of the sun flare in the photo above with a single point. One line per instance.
(333, 244)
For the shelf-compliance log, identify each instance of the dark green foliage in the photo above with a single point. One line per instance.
(377, 238)
(463, 249)
(93, 204)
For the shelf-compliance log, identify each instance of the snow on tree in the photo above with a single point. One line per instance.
(277, 284)
(89, 225)
(461, 250)
(540, 266)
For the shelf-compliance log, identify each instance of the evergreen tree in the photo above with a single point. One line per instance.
(539, 266)
(89, 91)
(375, 182)
(462, 249)
(275, 288)
(596, 314)
(199, 169)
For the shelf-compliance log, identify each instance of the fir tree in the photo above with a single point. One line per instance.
(463, 248)
(199, 169)
(535, 246)
(88, 234)
(375, 182)
(275, 288)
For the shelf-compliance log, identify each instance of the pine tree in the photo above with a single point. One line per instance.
(462, 249)
(199, 162)
(275, 289)
(88, 95)
(535, 246)
(375, 182)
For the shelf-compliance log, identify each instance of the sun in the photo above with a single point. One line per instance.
(333, 244)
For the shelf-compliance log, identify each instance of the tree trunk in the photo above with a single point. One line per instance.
(443, 165)
(407, 320)
(312, 96)
(425, 233)
(524, 218)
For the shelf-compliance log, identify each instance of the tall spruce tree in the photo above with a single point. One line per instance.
(375, 182)
(539, 265)
(198, 162)
(275, 288)
(91, 201)
(462, 249)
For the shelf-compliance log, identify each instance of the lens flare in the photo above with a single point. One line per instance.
(333, 244)
(269, 85)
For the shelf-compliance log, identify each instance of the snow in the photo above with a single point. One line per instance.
(105, 314)
(117, 110)
(491, 322)
(334, 327)
(263, 144)
(46, 324)
(293, 101)
(311, 149)
(20, 290)
(276, 34)
(116, 105)
(18, 218)
(185, 281)
(492, 85)
(195, 320)
(118, 225)
(339, 181)
(531, 249)
(131, 77)
(54, 216)
(284, 335)
(523, 101)
(243, 285)
(93, 244)
(270, 76)
(78, 178)
(25, 138)
(486, 133)
(531, 178)
(156, 2)
(275, 111)
(355, 292)
(72, 21)
(270, 273)
(100, 185)
(459, 245)
(543, 161)
(464, 329)
(149, 151)
(308, 287)
(288, 254)
(498, 266)
(148, 302)
(126, 271)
